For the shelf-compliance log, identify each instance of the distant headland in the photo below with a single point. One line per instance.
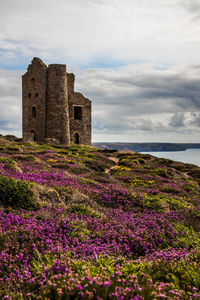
(147, 147)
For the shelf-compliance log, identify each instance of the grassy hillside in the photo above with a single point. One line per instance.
(83, 223)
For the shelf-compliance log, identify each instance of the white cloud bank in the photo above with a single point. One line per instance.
(84, 32)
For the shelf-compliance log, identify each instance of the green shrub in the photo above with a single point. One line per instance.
(25, 157)
(10, 137)
(15, 194)
(19, 140)
(78, 170)
(167, 162)
(169, 189)
(141, 161)
(164, 202)
(87, 180)
(95, 165)
(162, 173)
(13, 149)
(60, 166)
(8, 163)
(187, 237)
(127, 161)
(195, 173)
(81, 209)
(144, 156)
(188, 188)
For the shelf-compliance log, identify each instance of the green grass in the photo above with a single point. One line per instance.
(16, 194)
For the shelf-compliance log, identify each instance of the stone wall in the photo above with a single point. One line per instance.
(70, 83)
(82, 126)
(57, 113)
(34, 95)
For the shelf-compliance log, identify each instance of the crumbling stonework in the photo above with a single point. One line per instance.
(51, 110)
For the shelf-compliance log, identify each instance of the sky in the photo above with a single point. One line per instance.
(137, 61)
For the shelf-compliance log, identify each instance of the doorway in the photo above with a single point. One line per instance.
(77, 138)
(33, 135)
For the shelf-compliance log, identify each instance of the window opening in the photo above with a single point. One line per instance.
(36, 95)
(33, 112)
(77, 138)
(78, 112)
(33, 81)
(29, 95)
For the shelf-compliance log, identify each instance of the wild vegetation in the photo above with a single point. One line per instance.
(83, 223)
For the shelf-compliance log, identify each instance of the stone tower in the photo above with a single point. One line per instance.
(51, 110)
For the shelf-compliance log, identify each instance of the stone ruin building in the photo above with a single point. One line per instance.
(52, 112)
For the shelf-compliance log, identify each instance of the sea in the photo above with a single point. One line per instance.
(191, 156)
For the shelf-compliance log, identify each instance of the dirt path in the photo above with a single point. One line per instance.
(116, 160)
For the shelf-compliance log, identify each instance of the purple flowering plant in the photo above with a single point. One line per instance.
(127, 229)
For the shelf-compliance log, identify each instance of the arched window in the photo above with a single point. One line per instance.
(33, 112)
(33, 135)
(33, 81)
(76, 138)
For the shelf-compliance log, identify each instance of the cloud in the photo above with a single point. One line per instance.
(195, 119)
(144, 87)
(143, 97)
(193, 6)
(102, 33)
(10, 102)
(177, 120)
